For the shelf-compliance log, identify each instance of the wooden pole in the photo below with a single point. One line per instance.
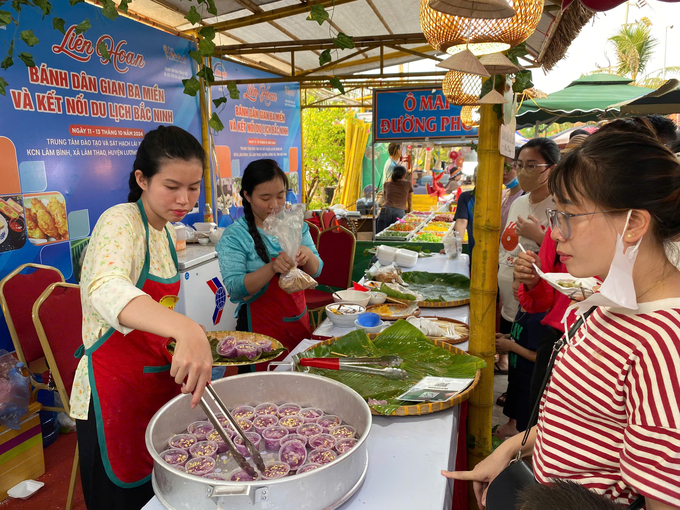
(205, 139)
(483, 286)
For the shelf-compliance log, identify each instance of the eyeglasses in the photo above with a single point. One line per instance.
(530, 167)
(560, 221)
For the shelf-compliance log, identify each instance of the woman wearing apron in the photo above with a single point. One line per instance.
(251, 261)
(129, 286)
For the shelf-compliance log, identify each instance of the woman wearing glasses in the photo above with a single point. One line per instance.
(610, 416)
(526, 221)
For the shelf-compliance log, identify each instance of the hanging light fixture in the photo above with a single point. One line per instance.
(493, 96)
(465, 62)
(482, 9)
(462, 88)
(497, 63)
(452, 34)
(469, 115)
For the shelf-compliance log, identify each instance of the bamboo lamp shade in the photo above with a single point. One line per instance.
(493, 97)
(469, 115)
(484, 9)
(452, 34)
(462, 88)
(497, 63)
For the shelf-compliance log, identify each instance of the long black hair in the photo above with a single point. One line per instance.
(547, 148)
(257, 172)
(164, 143)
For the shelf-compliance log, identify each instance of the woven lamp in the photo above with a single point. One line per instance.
(497, 63)
(465, 62)
(493, 96)
(483, 9)
(452, 34)
(469, 115)
(462, 88)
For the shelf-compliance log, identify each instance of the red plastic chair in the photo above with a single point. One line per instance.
(336, 247)
(328, 220)
(314, 232)
(58, 318)
(18, 292)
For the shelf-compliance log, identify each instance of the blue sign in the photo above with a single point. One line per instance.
(415, 114)
(263, 123)
(70, 128)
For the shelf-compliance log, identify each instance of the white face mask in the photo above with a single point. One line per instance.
(618, 289)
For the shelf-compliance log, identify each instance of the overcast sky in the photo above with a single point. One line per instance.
(590, 48)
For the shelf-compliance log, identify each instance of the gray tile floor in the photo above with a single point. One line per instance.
(500, 384)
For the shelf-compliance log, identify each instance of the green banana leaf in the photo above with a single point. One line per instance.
(421, 358)
(438, 286)
(396, 294)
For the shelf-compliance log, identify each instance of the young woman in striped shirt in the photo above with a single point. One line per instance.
(610, 416)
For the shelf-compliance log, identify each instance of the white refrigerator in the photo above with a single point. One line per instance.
(202, 295)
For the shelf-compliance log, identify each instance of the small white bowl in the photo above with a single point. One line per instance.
(352, 296)
(372, 329)
(203, 241)
(202, 226)
(377, 298)
(345, 320)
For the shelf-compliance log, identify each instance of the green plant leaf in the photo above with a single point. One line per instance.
(207, 33)
(191, 86)
(523, 81)
(84, 26)
(318, 13)
(221, 100)
(215, 122)
(7, 62)
(109, 9)
(207, 74)
(28, 37)
(325, 57)
(514, 53)
(74, 2)
(193, 15)
(233, 90)
(123, 6)
(5, 18)
(197, 57)
(58, 24)
(488, 85)
(27, 58)
(337, 84)
(206, 47)
(103, 51)
(44, 6)
(16, 4)
(212, 9)
(3, 84)
(343, 41)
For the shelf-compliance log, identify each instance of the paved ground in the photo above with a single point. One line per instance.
(500, 384)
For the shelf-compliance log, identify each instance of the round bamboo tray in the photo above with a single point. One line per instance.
(461, 328)
(425, 407)
(437, 304)
(245, 335)
(395, 307)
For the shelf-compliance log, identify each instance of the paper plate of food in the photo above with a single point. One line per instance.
(3, 229)
(393, 311)
(572, 287)
(235, 348)
(46, 219)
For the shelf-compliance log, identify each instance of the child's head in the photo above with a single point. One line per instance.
(562, 495)
(398, 173)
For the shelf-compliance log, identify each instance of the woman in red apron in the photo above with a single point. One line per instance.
(251, 261)
(129, 286)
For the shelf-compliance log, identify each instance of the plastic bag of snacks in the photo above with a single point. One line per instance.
(15, 391)
(386, 274)
(286, 226)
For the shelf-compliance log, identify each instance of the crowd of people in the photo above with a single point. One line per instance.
(607, 207)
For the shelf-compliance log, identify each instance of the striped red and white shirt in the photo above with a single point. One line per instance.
(610, 418)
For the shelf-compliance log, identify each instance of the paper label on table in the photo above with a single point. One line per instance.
(435, 389)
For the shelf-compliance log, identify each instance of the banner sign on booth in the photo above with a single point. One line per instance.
(263, 123)
(71, 126)
(416, 113)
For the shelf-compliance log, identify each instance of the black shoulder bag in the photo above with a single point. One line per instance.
(504, 489)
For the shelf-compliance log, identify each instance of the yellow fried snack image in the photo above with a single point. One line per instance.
(58, 212)
(169, 301)
(32, 227)
(44, 219)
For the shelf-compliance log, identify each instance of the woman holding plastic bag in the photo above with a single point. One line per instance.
(260, 254)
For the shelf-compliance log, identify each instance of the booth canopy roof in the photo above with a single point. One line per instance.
(585, 99)
(277, 24)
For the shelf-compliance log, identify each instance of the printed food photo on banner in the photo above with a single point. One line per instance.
(12, 223)
(46, 218)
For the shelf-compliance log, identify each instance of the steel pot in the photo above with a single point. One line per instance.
(324, 488)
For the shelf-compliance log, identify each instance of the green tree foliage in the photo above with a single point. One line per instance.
(634, 46)
(324, 149)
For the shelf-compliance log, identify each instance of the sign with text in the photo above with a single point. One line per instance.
(415, 114)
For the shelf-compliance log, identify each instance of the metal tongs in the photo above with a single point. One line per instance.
(240, 459)
(358, 365)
